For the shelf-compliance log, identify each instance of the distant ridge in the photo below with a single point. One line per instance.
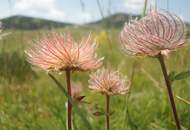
(30, 23)
(115, 20)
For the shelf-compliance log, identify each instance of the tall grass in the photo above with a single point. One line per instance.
(37, 105)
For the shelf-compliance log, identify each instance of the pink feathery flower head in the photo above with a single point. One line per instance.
(108, 82)
(58, 52)
(158, 32)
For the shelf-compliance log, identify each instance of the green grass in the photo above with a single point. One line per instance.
(36, 103)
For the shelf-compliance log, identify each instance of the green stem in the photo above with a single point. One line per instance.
(144, 9)
(76, 108)
(169, 89)
(107, 112)
(69, 107)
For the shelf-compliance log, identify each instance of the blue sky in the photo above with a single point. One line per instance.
(81, 11)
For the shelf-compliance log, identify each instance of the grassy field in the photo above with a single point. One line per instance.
(29, 100)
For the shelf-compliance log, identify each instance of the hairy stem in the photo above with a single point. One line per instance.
(107, 112)
(169, 89)
(69, 107)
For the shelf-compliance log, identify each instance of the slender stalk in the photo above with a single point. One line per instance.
(144, 8)
(78, 111)
(69, 107)
(107, 112)
(169, 89)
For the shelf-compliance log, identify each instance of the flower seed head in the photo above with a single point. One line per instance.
(58, 52)
(108, 82)
(152, 34)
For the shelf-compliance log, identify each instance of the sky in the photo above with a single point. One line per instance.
(83, 11)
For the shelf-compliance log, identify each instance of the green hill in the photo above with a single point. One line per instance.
(29, 23)
(115, 20)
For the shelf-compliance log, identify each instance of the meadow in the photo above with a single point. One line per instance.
(30, 100)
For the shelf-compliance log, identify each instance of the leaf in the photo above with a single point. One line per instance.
(98, 113)
(78, 111)
(182, 75)
(80, 98)
(171, 76)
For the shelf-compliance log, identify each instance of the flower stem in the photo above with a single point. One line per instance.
(107, 112)
(169, 89)
(69, 107)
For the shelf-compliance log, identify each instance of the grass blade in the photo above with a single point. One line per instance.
(183, 100)
(144, 9)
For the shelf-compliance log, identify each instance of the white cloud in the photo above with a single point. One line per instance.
(136, 6)
(39, 8)
(79, 18)
(48, 9)
(84, 17)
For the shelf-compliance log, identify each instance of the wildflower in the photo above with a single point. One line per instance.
(108, 82)
(158, 32)
(156, 35)
(58, 52)
(101, 37)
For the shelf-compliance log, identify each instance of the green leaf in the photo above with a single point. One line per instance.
(172, 75)
(78, 111)
(99, 113)
(182, 75)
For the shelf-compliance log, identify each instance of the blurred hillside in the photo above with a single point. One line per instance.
(115, 20)
(30, 23)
